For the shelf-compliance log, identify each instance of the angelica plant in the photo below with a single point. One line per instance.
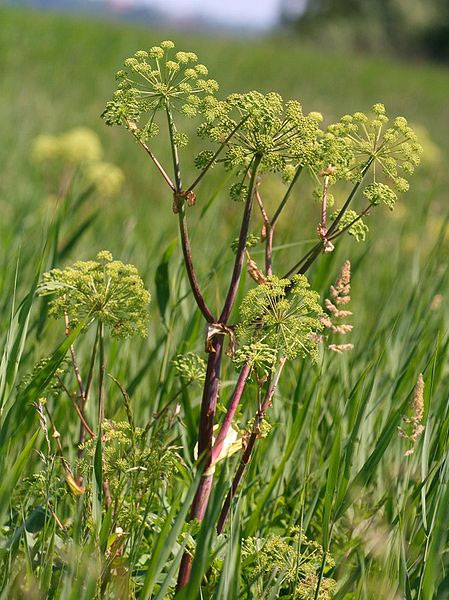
(252, 135)
(110, 294)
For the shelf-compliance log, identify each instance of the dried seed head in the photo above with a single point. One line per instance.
(332, 320)
(415, 421)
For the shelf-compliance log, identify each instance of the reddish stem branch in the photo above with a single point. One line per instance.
(74, 361)
(132, 127)
(159, 167)
(269, 233)
(269, 250)
(84, 424)
(230, 413)
(191, 274)
(235, 280)
(246, 456)
(205, 433)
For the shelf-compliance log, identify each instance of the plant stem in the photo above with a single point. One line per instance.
(191, 274)
(82, 431)
(174, 149)
(185, 242)
(101, 403)
(235, 280)
(246, 456)
(232, 407)
(345, 206)
(158, 165)
(269, 231)
(211, 384)
(84, 424)
(269, 250)
(283, 202)
(74, 361)
(101, 377)
(309, 258)
(205, 432)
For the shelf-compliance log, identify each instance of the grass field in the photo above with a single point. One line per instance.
(333, 463)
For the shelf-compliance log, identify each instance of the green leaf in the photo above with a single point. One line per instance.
(162, 280)
(12, 475)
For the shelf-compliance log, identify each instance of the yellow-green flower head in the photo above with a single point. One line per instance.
(153, 79)
(79, 145)
(277, 132)
(106, 177)
(190, 367)
(358, 229)
(282, 314)
(45, 148)
(106, 290)
(393, 150)
(380, 192)
(258, 355)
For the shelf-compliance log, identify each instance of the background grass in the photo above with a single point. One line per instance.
(386, 512)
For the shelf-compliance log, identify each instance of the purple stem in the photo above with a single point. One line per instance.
(232, 407)
(187, 252)
(246, 456)
(235, 280)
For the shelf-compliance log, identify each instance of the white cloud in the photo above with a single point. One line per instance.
(233, 12)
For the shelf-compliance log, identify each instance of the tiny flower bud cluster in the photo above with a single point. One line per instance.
(190, 367)
(358, 229)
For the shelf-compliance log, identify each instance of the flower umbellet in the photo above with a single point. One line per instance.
(106, 290)
(79, 152)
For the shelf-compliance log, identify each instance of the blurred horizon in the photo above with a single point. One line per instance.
(251, 15)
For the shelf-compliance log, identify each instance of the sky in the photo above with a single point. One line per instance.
(255, 13)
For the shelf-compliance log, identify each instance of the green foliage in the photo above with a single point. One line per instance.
(136, 473)
(106, 290)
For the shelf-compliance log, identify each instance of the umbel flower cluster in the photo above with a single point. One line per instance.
(393, 150)
(255, 132)
(296, 557)
(154, 79)
(281, 315)
(105, 290)
(79, 148)
(265, 127)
